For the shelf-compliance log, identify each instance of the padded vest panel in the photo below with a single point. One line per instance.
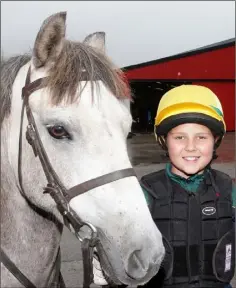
(197, 229)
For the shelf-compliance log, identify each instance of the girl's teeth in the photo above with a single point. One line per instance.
(191, 158)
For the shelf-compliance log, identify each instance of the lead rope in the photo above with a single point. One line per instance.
(87, 253)
(15, 271)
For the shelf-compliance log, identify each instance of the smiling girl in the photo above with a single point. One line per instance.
(190, 202)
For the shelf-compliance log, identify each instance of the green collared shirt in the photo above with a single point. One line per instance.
(191, 184)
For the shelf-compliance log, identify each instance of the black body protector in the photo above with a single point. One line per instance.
(197, 228)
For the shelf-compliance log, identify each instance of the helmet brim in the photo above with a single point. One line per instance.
(216, 126)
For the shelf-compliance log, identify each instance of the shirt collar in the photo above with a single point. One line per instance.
(191, 184)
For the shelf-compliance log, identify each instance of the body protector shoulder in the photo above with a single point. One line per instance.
(197, 228)
(224, 253)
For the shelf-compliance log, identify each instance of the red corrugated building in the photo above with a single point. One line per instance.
(212, 66)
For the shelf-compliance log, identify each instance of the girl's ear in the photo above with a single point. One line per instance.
(214, 156)
(216, 139)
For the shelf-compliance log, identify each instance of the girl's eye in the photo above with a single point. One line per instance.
(58, 132)
(179, 137)
(202, 137)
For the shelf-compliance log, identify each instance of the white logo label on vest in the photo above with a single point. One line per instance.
(209, 211)
(228, 253)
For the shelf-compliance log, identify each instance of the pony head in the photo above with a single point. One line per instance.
(83, 121)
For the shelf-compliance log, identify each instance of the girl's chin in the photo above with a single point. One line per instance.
(187, 170)
(190, 172)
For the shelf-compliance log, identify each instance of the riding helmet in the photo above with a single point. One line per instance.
(189, 104)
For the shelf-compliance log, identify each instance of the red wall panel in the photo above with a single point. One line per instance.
(226, 95)
(217, 64)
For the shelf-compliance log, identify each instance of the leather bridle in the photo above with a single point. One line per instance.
(57, 190)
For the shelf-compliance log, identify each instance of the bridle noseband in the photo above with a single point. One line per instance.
(57, 190)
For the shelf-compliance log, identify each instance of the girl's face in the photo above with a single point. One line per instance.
(190, 148)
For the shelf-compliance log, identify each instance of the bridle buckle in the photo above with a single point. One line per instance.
(92, 237)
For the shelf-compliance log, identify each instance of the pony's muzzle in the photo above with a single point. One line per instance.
(138, 265)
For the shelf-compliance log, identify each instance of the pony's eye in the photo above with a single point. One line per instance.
(58, 132)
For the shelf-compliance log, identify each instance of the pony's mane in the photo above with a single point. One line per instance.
(76, 62)
(9, 70)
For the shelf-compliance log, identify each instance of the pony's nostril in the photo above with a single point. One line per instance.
(137, 267)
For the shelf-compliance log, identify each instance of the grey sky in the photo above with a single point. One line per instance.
(136, 31)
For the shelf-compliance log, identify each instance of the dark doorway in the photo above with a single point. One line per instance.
(146, 97)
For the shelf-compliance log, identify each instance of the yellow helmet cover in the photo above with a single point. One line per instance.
(189, 104)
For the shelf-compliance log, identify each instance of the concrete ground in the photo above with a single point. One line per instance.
(146, 156)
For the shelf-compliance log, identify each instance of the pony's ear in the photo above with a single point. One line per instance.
(50, 39)
(96, 40)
